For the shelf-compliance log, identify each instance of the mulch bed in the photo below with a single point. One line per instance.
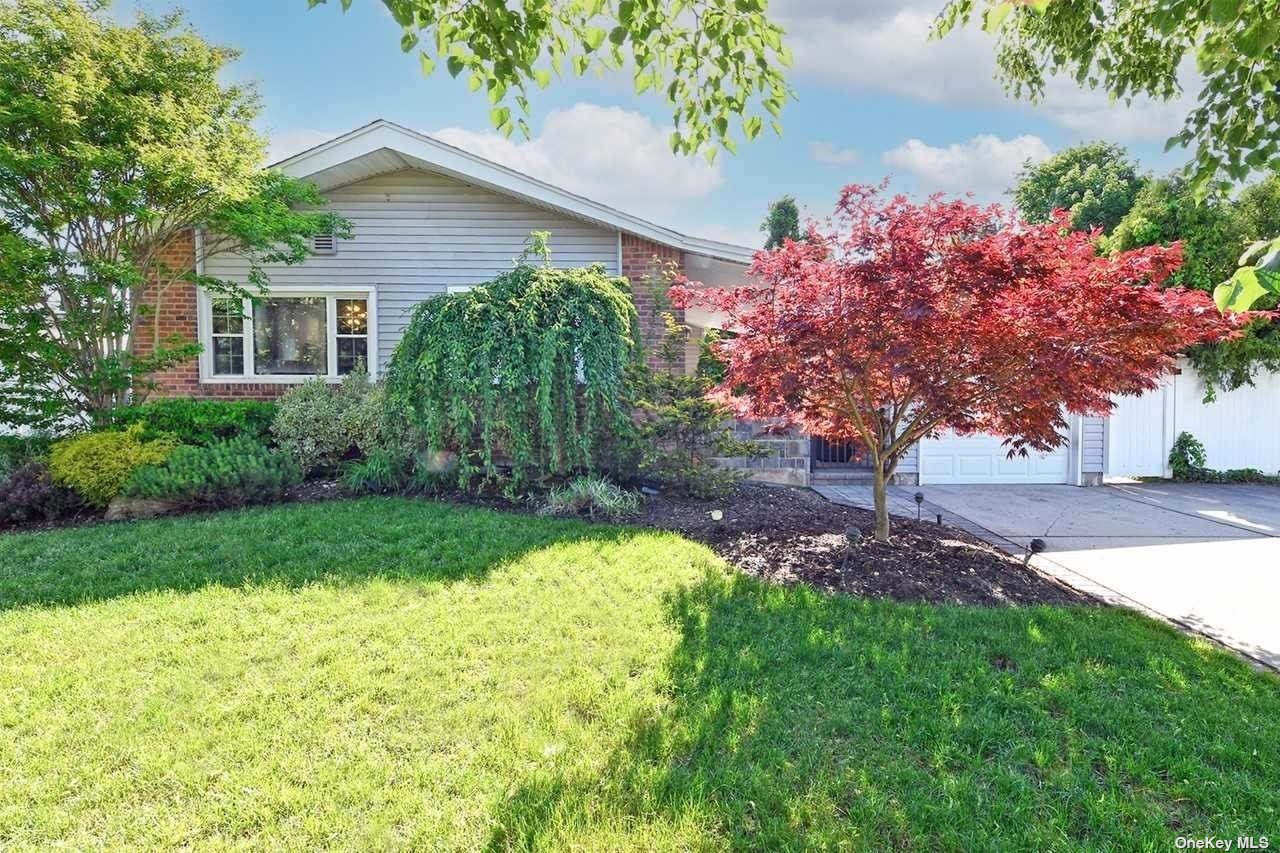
(792, 536)
(796, 536)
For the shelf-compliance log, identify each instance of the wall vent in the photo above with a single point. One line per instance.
(324, 244)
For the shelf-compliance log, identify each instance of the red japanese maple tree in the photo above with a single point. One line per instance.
(903, 319)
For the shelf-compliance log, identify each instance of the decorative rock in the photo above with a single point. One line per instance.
(441, 461)
(649, 490)
(122, 509)
(716, 514)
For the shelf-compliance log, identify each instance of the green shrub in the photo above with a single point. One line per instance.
(18, 450)
(1242, 475)
(373, 420)
(680, 432)
(592, 496)
(29, 493)
(320, 425)
(200, 422)
(313, 423)
(1187, 458)
(228, 473)
(98, 464)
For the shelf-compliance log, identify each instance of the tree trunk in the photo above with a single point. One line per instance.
(878, 490)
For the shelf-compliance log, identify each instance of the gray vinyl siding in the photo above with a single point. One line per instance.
(416, 233)
(1093, 434)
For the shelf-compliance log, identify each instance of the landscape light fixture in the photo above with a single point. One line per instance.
(919, 503)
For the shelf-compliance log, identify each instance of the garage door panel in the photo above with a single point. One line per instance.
(973, 466)
(1015, 467)
(982, 458)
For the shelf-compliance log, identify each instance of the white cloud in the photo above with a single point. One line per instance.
(985, 165)
(607, 154)
(749, 237)
(286, 143)
(829, 154)
(884, 47)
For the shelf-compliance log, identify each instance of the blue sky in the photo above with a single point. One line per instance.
(875, 99)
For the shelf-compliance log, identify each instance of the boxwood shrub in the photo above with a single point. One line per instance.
(200, 422)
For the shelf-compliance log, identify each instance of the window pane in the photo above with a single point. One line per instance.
(228, 356)
(353, 317)
(353, 353)
(228, 317)
(289, 336)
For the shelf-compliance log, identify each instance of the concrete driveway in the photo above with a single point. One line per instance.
(1207, 556)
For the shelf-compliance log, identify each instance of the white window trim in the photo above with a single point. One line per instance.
(204, 328)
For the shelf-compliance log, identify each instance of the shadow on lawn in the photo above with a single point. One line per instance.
(333, 542)
(797, 720)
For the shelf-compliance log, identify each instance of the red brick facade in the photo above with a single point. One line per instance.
(178, 312)
(643, 262)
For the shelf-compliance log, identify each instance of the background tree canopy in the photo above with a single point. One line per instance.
(114, 140)
(1212, 233)
(1132, 47)
(1095, 183)
(718, 63)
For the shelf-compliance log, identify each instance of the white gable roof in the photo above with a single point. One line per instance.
(383, 146)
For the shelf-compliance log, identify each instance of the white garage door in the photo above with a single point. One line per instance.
(982, 458)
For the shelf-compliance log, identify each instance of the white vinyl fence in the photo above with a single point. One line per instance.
(1239, 429)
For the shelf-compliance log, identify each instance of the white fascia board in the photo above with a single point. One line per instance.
(467, 167)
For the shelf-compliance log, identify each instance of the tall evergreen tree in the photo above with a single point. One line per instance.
(781, 223)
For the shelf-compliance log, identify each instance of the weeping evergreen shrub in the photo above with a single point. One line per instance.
(525, 371)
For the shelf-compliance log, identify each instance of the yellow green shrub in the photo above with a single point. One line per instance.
(98, 464)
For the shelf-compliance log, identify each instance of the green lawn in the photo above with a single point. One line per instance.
(387, 673)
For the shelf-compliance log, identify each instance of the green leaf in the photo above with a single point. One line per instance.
(643, 81)
(1224, 11)
(499, 116)
(474, 82)
(455, 66)
(428, 64)
(1253, 40)
(995, 15)
(543, 77)
(1240, 292)
(594, 37)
